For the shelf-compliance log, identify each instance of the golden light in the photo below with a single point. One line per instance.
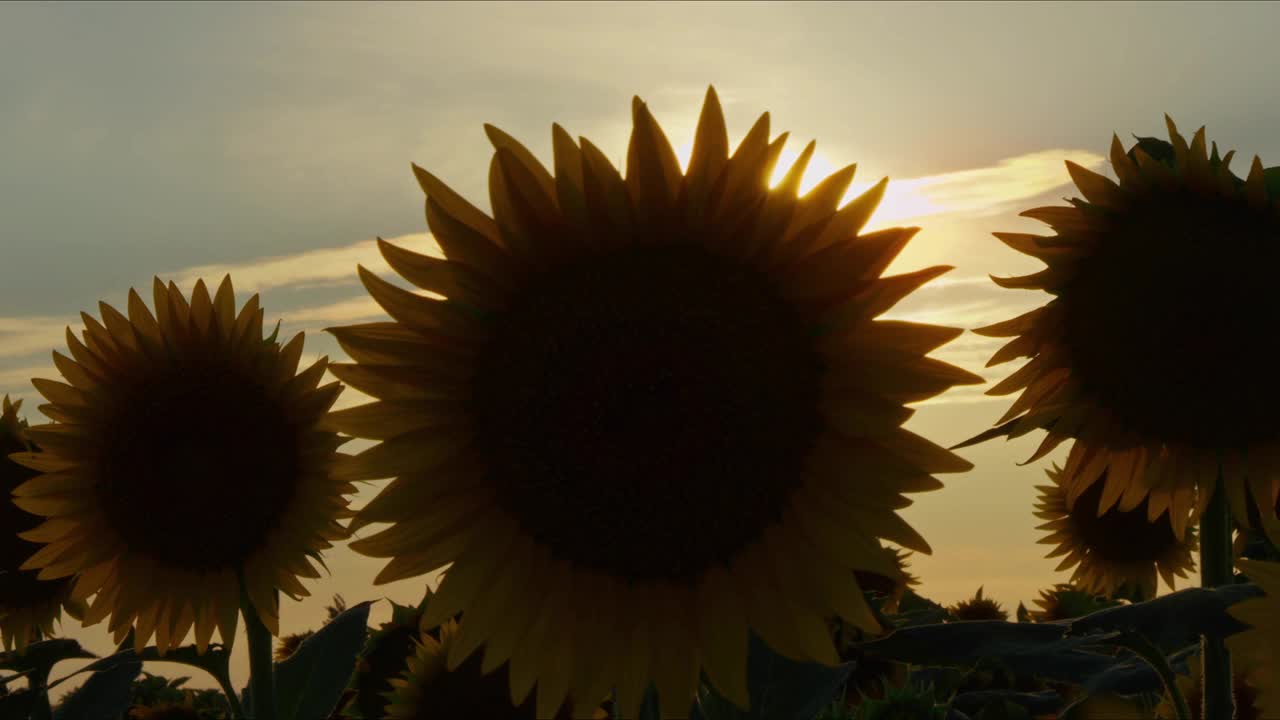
(903, 199)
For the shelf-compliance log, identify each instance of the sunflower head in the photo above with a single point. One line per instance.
(890, 586)
(28, 605)
(1257, 649)
(1065, 602)
(610, 360)
(385, 656)
(1115, 552)
(428, 689)
(187, 449)
(1161, 290)
(978, 608)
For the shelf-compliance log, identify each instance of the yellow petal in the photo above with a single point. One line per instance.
(473, 568)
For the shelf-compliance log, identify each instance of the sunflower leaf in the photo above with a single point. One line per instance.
(104, 696)
(1135, 675)
(40, 657)
(310, 683)
(1034, 648)
(1172, 621)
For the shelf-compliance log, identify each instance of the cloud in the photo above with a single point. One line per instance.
(21, 336)
(327, 266)
(977, 191)
(958, 302)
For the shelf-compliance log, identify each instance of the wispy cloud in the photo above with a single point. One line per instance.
(977, 191)
(327, 266)
(973, 192)
(21, 336)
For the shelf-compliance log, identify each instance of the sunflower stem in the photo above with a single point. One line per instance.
(233, 702)
(261, 668)
(1143, 648)
(1215, 571)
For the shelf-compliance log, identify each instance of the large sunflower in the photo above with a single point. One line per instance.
(1155, 354)
(1259, 647)
(28, 606)
(1112, 550)
(651, 410)
(428, 690)
(186, 449)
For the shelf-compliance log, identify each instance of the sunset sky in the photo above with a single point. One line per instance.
(273, 141)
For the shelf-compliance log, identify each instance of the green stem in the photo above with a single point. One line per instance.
(1143, 648)
(261, 668)
(39, 681)
(233, 702)
(1215, 571)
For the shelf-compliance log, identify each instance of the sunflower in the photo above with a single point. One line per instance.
(28, 606)
(893, 585)
(428, 690)
(1153, 355)
(186, 449)
(978, 608)
(289, 644)
(654, 409)
(1064, 602)
(1259, 647)
(1191, 686)
(385, 656)
(1113, 550)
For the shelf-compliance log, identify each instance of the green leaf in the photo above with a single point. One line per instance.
(215, 660)
(310, 683)
(1033, 648)
(1135, 675)
(1173, 621)
(42, 656)
(104, 696)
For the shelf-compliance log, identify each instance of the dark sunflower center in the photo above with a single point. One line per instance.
(1172, 324)
(1120, 537)
(646, 412)
(19, 588)
(198, 466)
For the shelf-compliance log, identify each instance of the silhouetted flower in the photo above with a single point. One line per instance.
(1156, 354)
(648, 413)
(28, 606)
(186, 448)
(1113, 549)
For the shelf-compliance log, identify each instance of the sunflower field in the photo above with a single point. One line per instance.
(192, 469)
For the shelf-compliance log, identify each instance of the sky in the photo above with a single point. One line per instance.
(273, 141)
